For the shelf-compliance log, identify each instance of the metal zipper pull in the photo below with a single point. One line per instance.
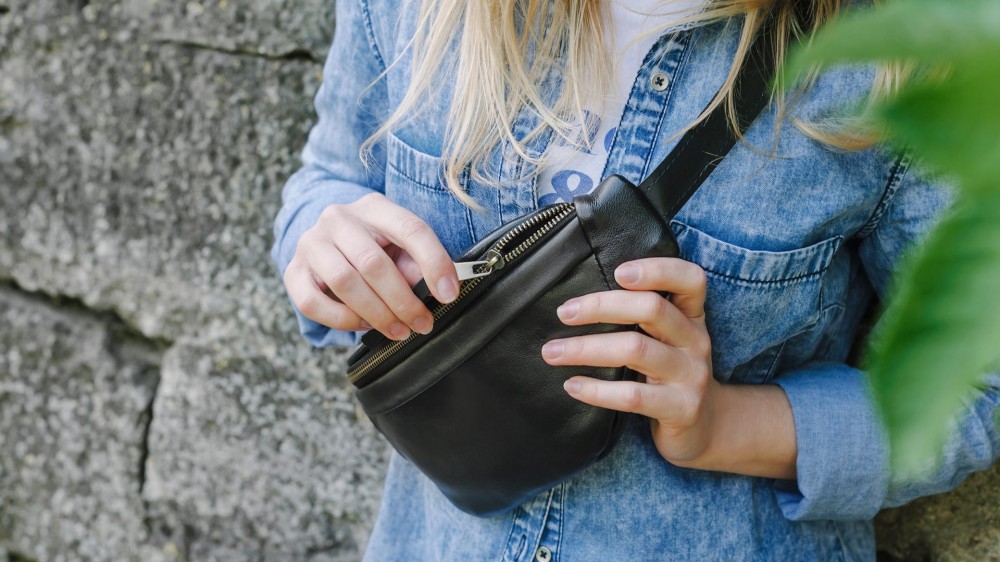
(473, 269)
(467, 269)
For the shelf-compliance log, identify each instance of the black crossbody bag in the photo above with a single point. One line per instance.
(472, 404)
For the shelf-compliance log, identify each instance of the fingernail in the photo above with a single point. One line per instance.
(399, 331)
(568, 311)
(572, 386)
(422, 325)
(448, 289)
(365, 325)
(553, 350)
(627, 274)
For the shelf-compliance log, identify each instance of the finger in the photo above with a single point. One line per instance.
(408, 267)
(314, 304)
(685, 281)
(651, 311)
(383, 277)
(410, 232)
(635, 350)
(654, 401)
(347, 284)
(322, 285)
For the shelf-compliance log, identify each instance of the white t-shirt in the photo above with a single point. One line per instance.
(571, 171)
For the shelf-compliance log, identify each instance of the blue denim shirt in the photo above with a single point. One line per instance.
(795, 246)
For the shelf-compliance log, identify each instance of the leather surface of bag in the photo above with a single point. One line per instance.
(472, 404)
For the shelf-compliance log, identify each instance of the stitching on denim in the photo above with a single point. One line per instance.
(520, 547)
(836, 241)
(370, 31)
(769, 375)
(537, 543)
(431, 188)
(896, 175)
(768, 281)
(465, 181)
(844, 549)
(563, 502)
(469, 223)
(506, 544)
(505, 147)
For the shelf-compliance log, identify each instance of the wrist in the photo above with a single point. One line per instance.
(713, 454)
(750, 431)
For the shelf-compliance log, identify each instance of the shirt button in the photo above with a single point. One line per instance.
(659, 81)
(543, 554)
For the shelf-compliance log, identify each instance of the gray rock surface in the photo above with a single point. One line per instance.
(156, 400)
(75, 396)
(143, 145)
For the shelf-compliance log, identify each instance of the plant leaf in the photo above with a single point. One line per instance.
(954, 124)
(929, 31)
(940, 333)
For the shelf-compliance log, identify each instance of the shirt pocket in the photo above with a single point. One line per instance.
(757, 300)
(415, 180)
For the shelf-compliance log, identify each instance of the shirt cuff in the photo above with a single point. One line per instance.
(319, 335)
(842, 462)
(292, 221)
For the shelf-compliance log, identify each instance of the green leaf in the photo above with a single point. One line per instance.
(954, 124)
(940, 333)
(929, 31)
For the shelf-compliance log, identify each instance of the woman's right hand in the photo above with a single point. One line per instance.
(354, 269)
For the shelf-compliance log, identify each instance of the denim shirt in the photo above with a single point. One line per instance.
(795, 247)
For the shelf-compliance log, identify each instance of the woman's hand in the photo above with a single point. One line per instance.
(696, 422)
(354, 269)
(679, 394)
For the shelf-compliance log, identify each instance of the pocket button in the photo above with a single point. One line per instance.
(543, 554)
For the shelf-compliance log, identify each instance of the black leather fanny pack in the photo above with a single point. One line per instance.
(472, 404)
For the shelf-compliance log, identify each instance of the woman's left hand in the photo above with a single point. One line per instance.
(679, 394)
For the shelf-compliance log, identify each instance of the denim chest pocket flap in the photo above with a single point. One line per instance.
(756, 300)
(415, 180)
(413, 166)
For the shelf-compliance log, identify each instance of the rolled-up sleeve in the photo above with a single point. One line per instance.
(350, 104)
(842, 459)
(842, 463)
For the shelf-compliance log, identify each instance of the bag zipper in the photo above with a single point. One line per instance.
(494, 259)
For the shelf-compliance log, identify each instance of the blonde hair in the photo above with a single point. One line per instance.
(499, 80)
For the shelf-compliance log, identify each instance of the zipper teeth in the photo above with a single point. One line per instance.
(555, 210)
(554, 216)
(375, 360)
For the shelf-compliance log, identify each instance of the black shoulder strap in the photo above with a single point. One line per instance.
(701, 149)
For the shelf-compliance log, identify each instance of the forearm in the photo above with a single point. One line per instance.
(350, 104)
(753, 433)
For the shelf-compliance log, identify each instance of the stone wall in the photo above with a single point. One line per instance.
(156, 400)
